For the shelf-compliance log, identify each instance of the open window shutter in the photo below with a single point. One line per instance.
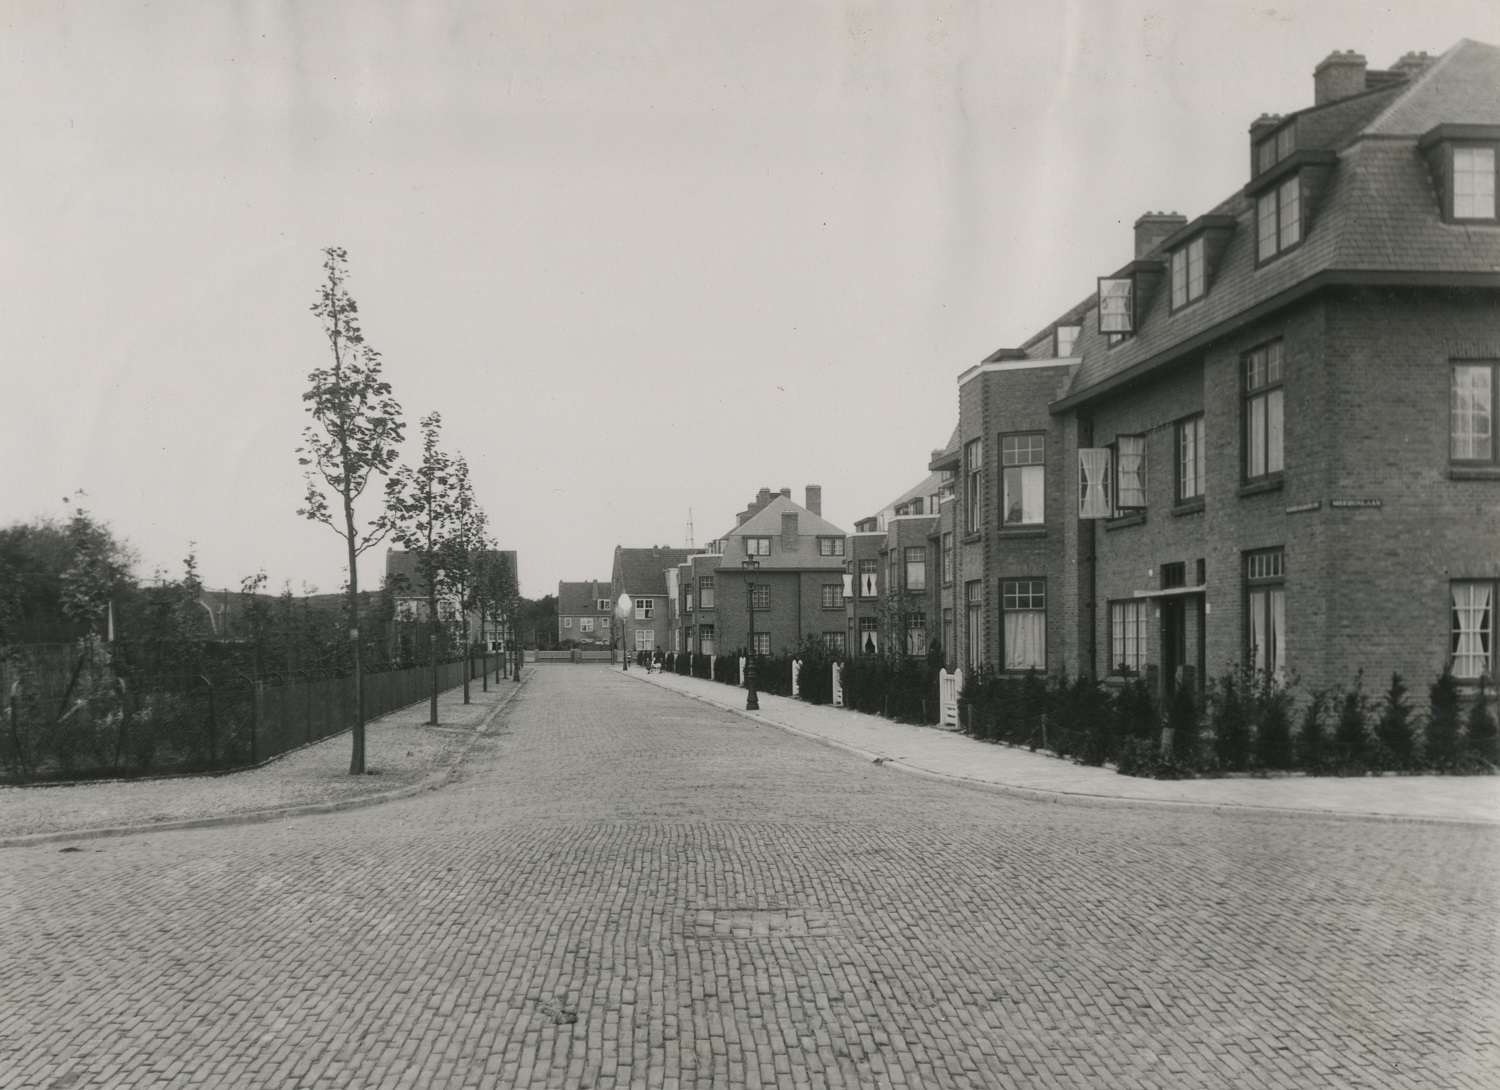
(1116, 304)
(1130, 467)
(1093, 483)
(848, 585)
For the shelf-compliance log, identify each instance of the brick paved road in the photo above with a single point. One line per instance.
(628, 888)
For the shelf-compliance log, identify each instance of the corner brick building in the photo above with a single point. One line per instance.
(584, 611)
(1269, 438)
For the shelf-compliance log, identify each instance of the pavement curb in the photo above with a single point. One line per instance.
(430, 782)
(1082, 799)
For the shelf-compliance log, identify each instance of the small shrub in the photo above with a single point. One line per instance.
(1480, 727)
(1349, 734)
(1393, 730)
(1143, 757)
(1273, 739)
(1442, 723)
(1182, 722)
(1134, 711)
(1312, 748)
(1230, 719)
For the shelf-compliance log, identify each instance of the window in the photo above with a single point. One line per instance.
(973, 463)
(603, 622)
(645, 639)
(947, 559)
(1273, 149)
(869, 636)
(833, 596)
(1094, 500)
(916, 567)
(1474, 183)
(974, 607)
(1127, 637)
(1174, 575)
(762, 643)
(834, 642)
(890, 570)
(645, 609)
(1191, 458)
(567, 622)
(1278, 218)
(602, 604)
(1066, 340)
(1264, 420)
(1265, 611)
(1023, 630)
(760, 595)
(705, 639)
(688, 636)
(687, 599)
(1187, 273)
(1471, 426)
(706, 592)
(1022, 476)
(948, 633)
(830, 546)
(869, 578)
(1116, 305)
(1130, 472)
(1472, 650)
(757, 546)
(585, 624)
(916, 633)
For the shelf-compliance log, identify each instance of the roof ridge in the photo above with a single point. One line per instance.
(1413, 86)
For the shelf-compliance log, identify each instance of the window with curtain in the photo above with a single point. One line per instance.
(1093, 483)
(1130, 472)
(705, 639)
(1191, 458)
(1474, 183)
(762, 643)
(1472, 649)
(916, 633)
(1265, 423)
(1023, 623)
(947, 560)
(974, 607)
(833, 596)
(1127, 637)
(1022, 477)
(869, 636)
(706, 592)
(869, 573)
(1265, 612)
(916, 567)
(1471, 418)
(834, 642)
(1067, 338)
(973, 463)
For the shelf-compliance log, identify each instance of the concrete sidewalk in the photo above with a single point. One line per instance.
(949, 755)
(403, 756)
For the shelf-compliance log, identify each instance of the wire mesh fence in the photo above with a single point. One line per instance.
(75, 719)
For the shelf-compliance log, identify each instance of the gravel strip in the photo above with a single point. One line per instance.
(400, 750)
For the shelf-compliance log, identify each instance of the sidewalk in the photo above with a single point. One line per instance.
(1007, 770)
(403, 756)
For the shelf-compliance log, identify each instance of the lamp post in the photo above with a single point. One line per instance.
(622, 610)
(751, 566)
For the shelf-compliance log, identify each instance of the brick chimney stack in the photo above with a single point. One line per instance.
(788, 531)
(1411, 64)
(1339, 75)
(815, 499)
(1152, 228)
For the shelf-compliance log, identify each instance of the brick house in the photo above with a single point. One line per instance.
(896, 559)
(1269, 439)
(643, 574)
(408, 588)
(584, 611)
(799, 585)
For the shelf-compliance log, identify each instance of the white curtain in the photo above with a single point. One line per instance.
(1256, 466)
(1277, 653)
(1025, 640)
(1275, 426)
(1472, 629)
(1131, 492)
(1093, 491)
(1258, 641)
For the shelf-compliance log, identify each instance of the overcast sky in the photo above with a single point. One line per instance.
(643, 257)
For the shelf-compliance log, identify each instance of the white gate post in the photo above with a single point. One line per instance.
(742, 671)
(838, 685)
(796, 677)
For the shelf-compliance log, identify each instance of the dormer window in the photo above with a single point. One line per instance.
(1474, 183)
(1066, 339)
(1276, 147)
(1188, 280)
(1463, 160)
(1116, 305)
(1278, 218)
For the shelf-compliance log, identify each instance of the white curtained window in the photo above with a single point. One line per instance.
(1473, 629)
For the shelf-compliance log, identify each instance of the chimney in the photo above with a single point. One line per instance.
(815, 499)
(741, 517)
(1152, 228)
(788, 531)
(1338, 76)
(1262, 125)
(787, 492)
(762, 498)
(1411, 64)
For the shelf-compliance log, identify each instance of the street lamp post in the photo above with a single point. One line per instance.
(751, 566)
(622, 609)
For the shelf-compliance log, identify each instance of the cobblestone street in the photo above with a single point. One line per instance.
(625, 887)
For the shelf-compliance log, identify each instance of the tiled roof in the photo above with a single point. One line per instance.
(643, 571)
(404, 564)
(767, 522)
(1378, 217)
(579, 598)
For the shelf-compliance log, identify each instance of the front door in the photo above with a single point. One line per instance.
(1173, 643)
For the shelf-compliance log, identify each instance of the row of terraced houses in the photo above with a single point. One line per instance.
(1266, 439)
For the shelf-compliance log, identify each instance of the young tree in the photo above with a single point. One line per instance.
(98, 568)
(462, 551)
(422, 512)
(355, 435)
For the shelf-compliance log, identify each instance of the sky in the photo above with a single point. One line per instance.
(643, 258)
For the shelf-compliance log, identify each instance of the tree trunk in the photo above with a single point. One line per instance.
(432, 649)
(357, 756)
(468, 654)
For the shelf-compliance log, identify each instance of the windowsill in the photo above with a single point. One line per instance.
(1022, 531)
(1255, 488)
(1262, 262)
(1189, 305)
(1474, 473)
(1188, 507)
(1135, 518)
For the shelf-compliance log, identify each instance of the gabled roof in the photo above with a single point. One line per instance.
(767, 522)
(640, 572)
(575, 598)
(1377, 222)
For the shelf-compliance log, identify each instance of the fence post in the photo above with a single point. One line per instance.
(796, 677)
(838, 685)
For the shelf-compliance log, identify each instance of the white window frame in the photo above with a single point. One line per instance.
(585, 624)
(757, 546)
(1473, 411)
(1130, 472)
(1263, 372)
(830, 546)
(1278, 219)
(706, 592)
(973, 477)
(1265, 612)
(1471, 644)
(1127, 637)
(1019, 599)
(869, 636)
(1065, 340)
(645, 609)
(1116, 305)
(1474, 183)
(1192, 458)
(915, 625)
(1023, 474)
(915, 559)
(1189, 283)
(833, 596)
